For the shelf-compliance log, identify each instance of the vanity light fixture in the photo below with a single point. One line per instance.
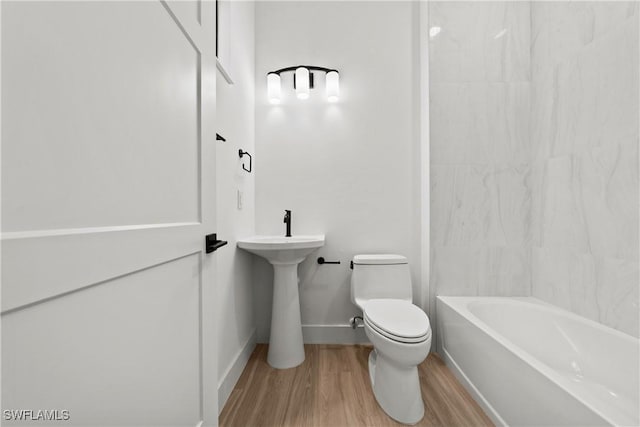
(303, 79)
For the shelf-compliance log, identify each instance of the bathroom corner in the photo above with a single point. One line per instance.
(235, 192)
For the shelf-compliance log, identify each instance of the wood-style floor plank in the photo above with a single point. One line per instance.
(332, 388)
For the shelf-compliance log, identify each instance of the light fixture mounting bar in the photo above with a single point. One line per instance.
(309, 67)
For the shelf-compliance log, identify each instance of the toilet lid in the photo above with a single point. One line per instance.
(397, 318)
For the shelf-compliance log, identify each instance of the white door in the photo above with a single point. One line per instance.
(107, 194)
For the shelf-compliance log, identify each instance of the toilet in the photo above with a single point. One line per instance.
(399, 331)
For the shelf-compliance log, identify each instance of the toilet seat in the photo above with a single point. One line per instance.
(398, 320)
(395, 338)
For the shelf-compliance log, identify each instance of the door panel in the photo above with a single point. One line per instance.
(108, 189)
(132, 157)
(76, 352)
(79, 258)
(187, 11)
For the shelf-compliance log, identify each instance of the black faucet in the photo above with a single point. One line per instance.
(287, 220)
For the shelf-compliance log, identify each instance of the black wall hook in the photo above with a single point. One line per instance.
(242, 153)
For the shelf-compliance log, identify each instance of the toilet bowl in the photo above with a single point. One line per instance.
(393, 364)
(399, 331)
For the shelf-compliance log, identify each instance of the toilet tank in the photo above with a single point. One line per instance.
(380, 276)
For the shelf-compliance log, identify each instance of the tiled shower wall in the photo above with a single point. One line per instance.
(479, 67)
(584, 133)
(534, 154)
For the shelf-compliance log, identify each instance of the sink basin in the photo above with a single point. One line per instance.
(286, 348)
(282, 249)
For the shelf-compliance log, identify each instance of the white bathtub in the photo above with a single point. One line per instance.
(530, 363)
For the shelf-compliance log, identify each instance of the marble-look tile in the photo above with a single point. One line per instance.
(542, 113)
(573, 109)
(480, 205)
(512, 202)
(601, 289)
(609, 68)
(454, 270)
(538, 172)
(560, 29)
(507, 271)
(562, 222)
(610, 15)
(588, 95)
(595, 95)
(476, 270)
(567, 278)
(584, 136)
(619, 294)
(571, 188)
(607, 178)
(479, 123)
(479, 41)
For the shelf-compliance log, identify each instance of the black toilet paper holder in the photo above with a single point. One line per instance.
(321, 261)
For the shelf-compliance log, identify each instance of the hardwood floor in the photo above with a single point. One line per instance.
(332, 388)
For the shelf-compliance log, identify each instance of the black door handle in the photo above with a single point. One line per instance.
(211, 243)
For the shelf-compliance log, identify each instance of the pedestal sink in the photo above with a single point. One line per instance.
(284, 253)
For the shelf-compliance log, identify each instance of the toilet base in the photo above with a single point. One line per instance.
(396, 388)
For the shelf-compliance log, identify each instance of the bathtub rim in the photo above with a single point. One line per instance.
(460, 305)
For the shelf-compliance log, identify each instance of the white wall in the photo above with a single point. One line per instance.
(346, 169)
(235, 121)
(585, 149)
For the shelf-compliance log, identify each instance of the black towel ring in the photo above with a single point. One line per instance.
(242, 153)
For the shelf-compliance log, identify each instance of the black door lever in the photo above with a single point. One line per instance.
(211, 243)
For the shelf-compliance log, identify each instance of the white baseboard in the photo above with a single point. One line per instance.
(333, 334)
(231, 377)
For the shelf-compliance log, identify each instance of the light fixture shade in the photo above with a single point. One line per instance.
(333, 86)
(302, 83)
(273, 88)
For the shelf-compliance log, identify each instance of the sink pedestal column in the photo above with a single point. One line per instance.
(284, 254)
(286, 349)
